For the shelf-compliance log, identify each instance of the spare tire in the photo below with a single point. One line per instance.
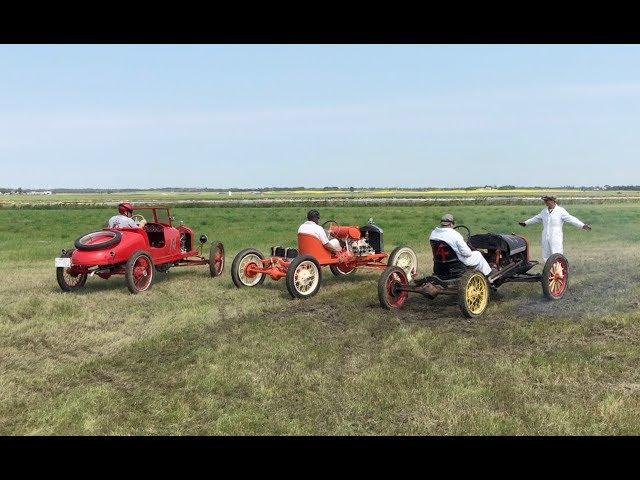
(98, 240)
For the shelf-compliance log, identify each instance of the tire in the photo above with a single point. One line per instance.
(241, 260)
(216, 259)
(405, 258)
(139, 272)
(304, 276)
(335, 269)
(390, 299)
(67, 281)
(473, 293)
(555, 276)
(81, 244)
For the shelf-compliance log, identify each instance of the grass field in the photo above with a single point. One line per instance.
(195, 355)
(159, 196)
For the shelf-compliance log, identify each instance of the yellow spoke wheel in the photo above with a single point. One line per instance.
(473, 293)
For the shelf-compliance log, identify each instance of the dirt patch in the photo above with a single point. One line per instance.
(594, 290)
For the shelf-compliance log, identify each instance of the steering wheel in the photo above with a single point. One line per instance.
(329, 222)
(466, 228)
(138, 218)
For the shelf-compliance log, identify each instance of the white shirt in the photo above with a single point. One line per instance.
(452, 238)
(552, 222)
(312, 228)
(122, 221)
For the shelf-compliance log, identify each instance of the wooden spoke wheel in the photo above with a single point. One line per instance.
(216, 259)
(303, 277)
(388, 294)
(555, 276)
(241, 268)
(473, 293)
(139, 272)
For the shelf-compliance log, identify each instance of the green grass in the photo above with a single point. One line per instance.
(157, 196)
(195, 355)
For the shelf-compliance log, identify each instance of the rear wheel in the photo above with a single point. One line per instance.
(216, 259)
(338, 271)
(68, 278)
(473, 294)
(303, 277)
(240, 273)
(388, 294)
(139, 272)
(405, 258)
(555, 276)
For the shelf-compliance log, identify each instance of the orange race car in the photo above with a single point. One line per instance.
(301, 266)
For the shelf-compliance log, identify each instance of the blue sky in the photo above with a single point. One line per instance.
(289, 115)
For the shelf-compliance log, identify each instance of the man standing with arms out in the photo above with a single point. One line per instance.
(447, 234)
(311, 227)
(553, 217)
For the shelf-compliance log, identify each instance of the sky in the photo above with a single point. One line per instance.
(251, 116)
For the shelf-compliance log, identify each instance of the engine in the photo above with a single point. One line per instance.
(360, 247)
(370, 240)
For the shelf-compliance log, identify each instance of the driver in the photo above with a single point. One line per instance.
(311, 227)
(123, 219)
(446, 233)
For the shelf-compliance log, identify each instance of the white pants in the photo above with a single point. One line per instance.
(477, 261)
(551, 246)
(335, 243)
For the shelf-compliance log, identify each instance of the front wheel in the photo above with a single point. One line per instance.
(241, 272)
(68, 278)
(303, 277)
(555, 276)
(473, 294)
(390, 296)
(216, 259)
(139, 272)
(405, 258)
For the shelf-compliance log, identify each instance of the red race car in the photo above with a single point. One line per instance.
(136, 253)
(362, 248)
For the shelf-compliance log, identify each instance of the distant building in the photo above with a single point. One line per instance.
(34, 192)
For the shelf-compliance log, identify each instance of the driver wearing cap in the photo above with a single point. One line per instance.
(311, 227)
(123, 219)
(446, 233)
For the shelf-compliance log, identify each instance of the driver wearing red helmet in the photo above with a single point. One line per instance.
(123, 219)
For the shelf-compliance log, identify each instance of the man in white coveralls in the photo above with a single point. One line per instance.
(553, 217)
(446, 233)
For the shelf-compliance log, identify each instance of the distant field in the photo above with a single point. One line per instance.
(195, 355)
(141, 196)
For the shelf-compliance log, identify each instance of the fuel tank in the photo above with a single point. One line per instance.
(510, 244)
(345, 232)
(131, 240)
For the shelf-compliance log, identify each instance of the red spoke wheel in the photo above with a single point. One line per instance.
(555, 276)
(71, 278)
(139, 272)
(216, 259)
(388, 293)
